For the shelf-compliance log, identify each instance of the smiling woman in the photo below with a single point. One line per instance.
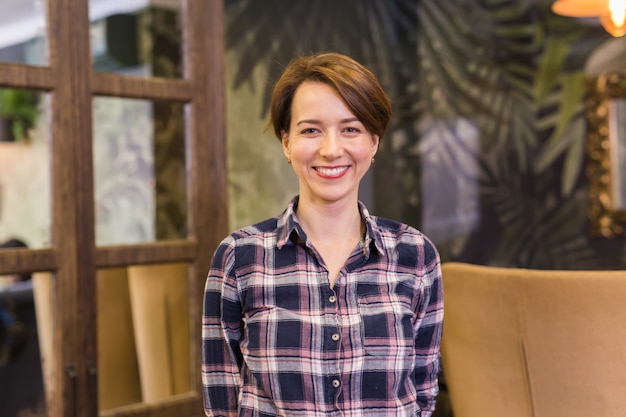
(314, 311)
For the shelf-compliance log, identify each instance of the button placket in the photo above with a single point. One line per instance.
(334, 337)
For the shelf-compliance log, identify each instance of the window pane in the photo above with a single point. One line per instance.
(139, 38)
(23, 32)
(143, 334)
(139, 163)
(26, 356)
(25, 209)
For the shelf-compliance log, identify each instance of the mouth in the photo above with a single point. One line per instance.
(331, 172)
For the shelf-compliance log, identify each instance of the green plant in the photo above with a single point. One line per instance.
(488, 92)
(19, 109)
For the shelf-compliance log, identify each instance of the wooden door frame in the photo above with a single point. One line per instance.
(73, 256)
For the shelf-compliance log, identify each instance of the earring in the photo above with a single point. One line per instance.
(373, 160)
(288, 160)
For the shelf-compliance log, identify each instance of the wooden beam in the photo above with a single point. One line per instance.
(25, 76)
(149, 253)
(24, 261)
(141, 88)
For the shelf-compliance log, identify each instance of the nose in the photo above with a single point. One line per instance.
(330, 147)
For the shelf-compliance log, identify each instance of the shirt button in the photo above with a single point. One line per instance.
(332, 298)
(336, 383)
(335, 336)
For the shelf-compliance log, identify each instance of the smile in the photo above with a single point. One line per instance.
(331, 172)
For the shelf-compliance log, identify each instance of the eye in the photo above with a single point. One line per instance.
(309, 131)
(352, 130)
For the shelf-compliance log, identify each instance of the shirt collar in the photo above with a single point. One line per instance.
(289, 230)
(287, 225)
(372, 232)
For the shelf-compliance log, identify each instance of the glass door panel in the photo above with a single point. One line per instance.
(23, 32)
(138, 37)
(139, 164)
(26, 346)
(143, 334)
(25, 208)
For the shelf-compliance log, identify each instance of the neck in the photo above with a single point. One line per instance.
(330, 223)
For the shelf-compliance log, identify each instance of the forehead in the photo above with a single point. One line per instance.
(314, 88)
(314, 97)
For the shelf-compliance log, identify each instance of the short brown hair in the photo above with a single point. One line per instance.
(355, 84)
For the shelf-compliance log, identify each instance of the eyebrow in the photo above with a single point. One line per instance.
(317, 122)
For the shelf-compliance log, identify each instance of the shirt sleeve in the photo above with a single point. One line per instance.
(221, 332)
(428, 332)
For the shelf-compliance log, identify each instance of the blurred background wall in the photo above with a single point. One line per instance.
(487, 150)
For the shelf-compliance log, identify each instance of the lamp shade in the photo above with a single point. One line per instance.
(581, 8)
(611, 13)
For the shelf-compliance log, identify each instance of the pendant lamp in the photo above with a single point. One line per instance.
(612, 13)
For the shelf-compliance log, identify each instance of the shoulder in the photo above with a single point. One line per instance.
(252, 234)
(247, 239)
(257, 230)
(409, 243)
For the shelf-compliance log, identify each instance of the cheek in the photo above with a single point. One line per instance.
(302, 150)
(365, 152)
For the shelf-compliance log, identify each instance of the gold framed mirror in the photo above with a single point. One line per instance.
(606, 154)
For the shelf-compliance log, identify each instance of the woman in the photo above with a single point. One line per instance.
(325, 309)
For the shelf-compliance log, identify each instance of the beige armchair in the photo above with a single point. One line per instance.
(534, 343)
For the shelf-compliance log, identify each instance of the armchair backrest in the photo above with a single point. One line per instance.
(534, 343)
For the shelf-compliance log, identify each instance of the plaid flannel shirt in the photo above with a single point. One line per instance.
(278, 341)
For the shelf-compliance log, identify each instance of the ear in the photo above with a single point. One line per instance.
(284, 140)
(375, 143)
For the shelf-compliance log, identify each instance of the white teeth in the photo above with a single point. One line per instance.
(331, 172)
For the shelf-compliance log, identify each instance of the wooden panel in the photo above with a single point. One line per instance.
(18, 75)
(143, 88)
(149, 253)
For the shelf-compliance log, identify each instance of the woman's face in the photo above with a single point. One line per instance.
(329, 148)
